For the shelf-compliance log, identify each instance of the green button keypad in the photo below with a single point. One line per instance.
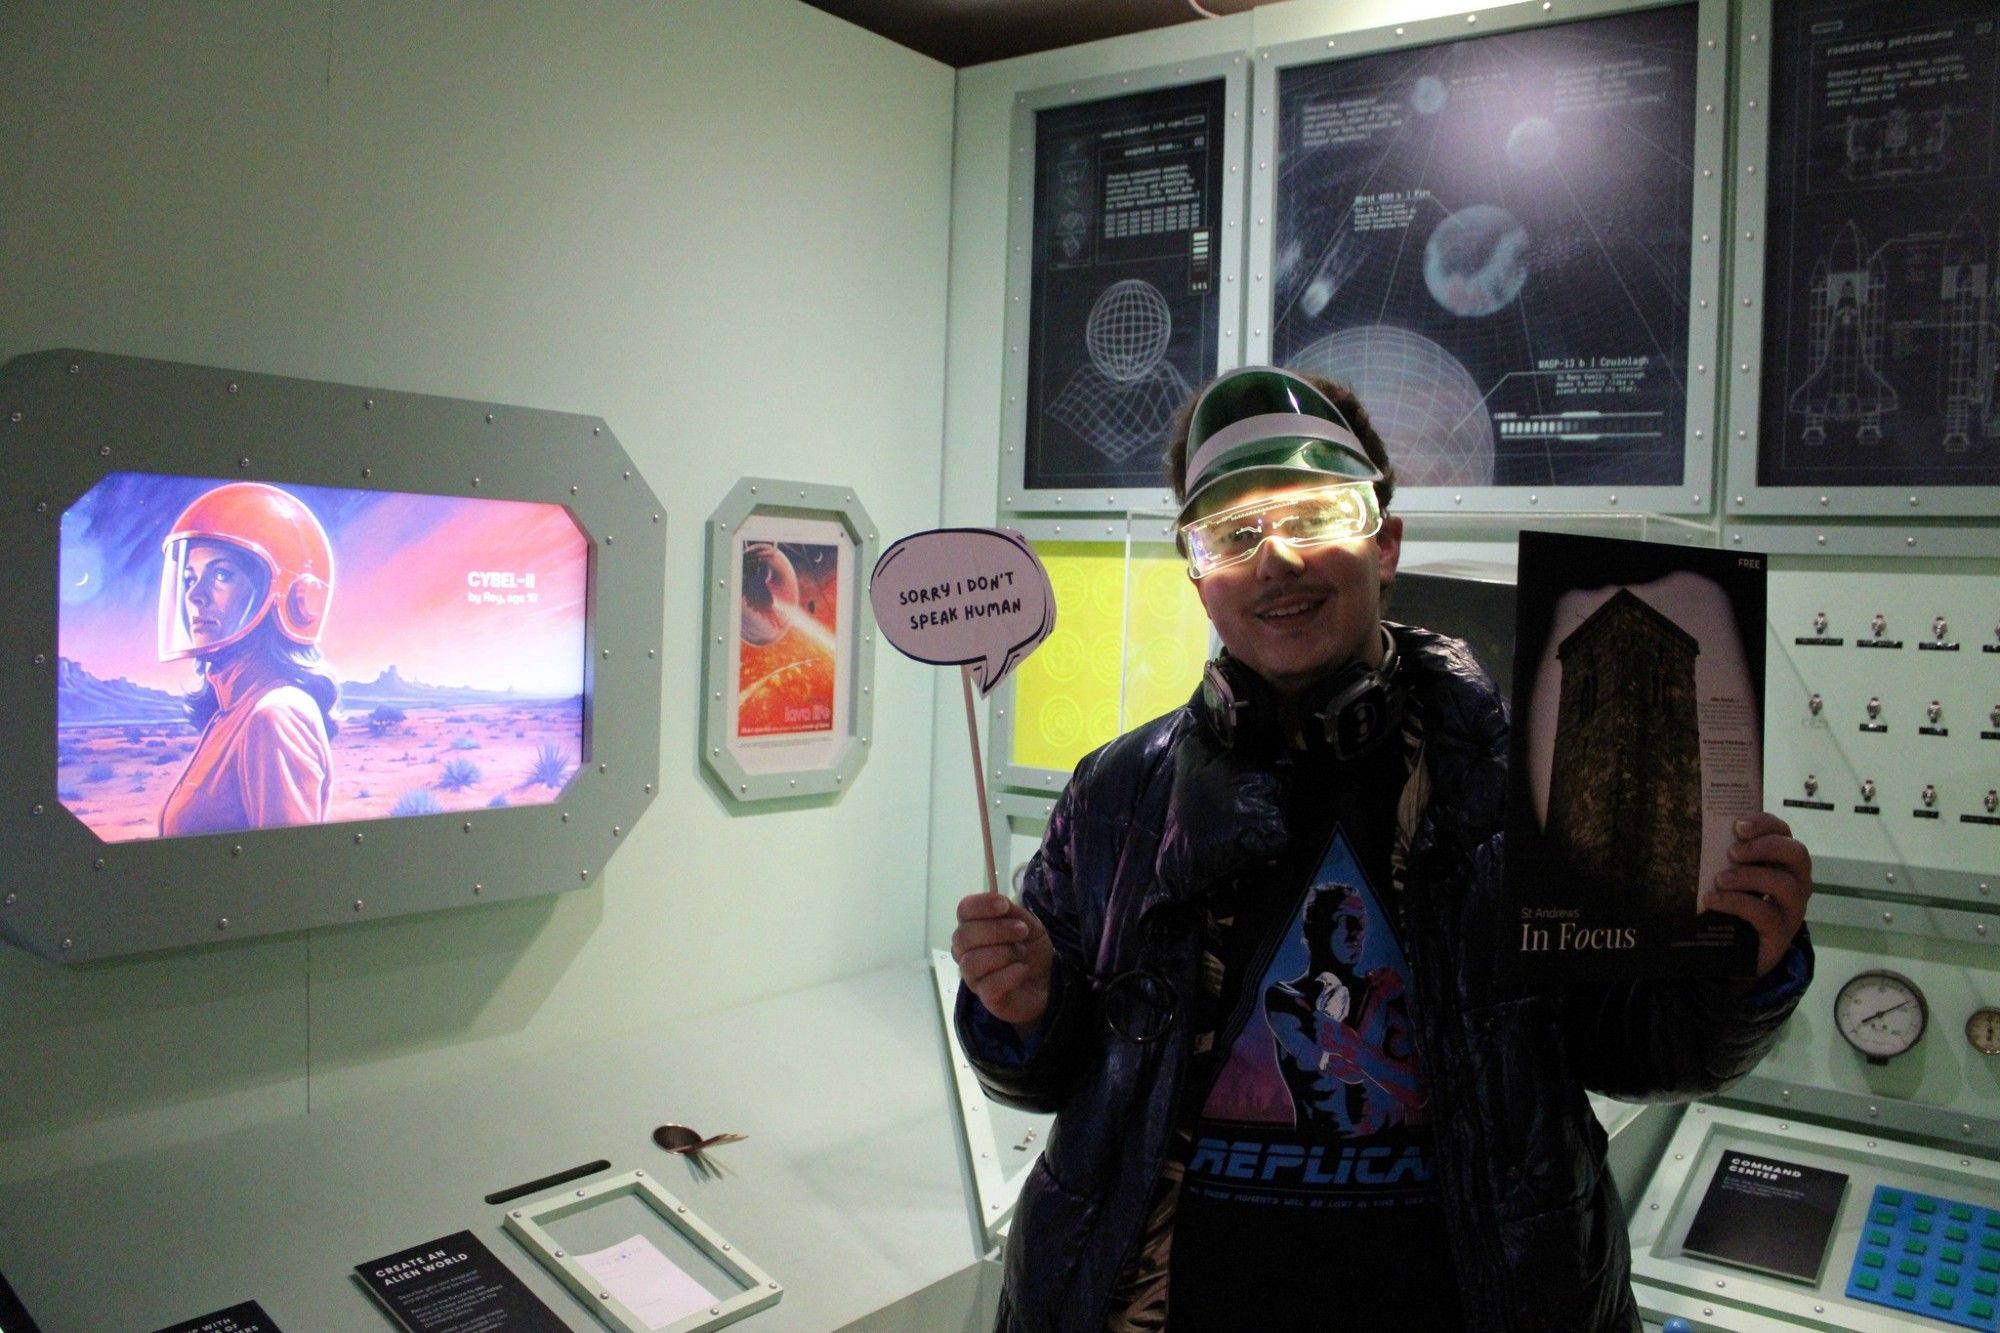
(1898, 1264)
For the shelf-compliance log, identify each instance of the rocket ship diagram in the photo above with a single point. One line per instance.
(1848, 312)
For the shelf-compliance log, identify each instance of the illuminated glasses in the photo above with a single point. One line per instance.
(1297, 518)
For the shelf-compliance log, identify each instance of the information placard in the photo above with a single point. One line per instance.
(454, 1284)
(1770, 1215)
(1125, 281)
(1882, 218)
(248, 1317)
(1490, 239)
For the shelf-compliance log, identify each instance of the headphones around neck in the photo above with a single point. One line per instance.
(1355, 709)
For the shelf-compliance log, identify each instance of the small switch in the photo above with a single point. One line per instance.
(1874, 706)
(1814, 704)
(1868, 789)
(1812, 784)
(1819, 623)
(1879, 625)
(1934, 710)
(1992, 800)
(1939, 628)
(1930, 795)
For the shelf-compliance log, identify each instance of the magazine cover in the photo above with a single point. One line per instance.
(1637, 744)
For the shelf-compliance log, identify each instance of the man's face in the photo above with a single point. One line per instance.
(1350, 930)
(1293, 616)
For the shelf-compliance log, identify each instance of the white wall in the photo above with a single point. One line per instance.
(720, 224)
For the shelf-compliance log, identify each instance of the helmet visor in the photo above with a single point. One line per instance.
(1299, 518)
(212, 593)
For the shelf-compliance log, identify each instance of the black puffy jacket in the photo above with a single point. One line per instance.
(1163, 813)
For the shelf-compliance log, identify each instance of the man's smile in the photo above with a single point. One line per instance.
(1285, 610)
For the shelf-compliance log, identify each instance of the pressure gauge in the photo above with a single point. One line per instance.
(1983, 1031)
(1882, 1014)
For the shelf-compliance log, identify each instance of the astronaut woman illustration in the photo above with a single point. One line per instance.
(244, 591)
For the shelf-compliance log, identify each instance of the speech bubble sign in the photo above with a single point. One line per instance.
(952, 596)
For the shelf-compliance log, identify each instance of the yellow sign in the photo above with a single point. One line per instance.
(1129, 643)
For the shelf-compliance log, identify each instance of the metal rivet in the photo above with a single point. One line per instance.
(98, 864)
(66, 944)
(222, 924)
(10, 900)
(466, 827)
(357, 838)
(367, 472)
(478, 889)
(565, 816)
(367, 404)
(242, 463)
(41, 659)
(604, 768)
(232, 388)
(357, 904)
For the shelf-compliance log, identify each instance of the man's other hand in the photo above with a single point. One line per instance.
(1767, 882)
(1003, 955)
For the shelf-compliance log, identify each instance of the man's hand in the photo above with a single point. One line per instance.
(1767, 883)
(1004, 956)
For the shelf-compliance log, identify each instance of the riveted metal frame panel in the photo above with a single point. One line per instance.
(794, 499)
(1694, 494)
(1750, 279)
(529, 1224)
(1233, 71)
(69, 418)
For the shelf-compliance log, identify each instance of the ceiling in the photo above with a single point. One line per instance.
(971, 32)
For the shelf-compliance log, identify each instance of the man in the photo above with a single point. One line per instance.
(1154, 985)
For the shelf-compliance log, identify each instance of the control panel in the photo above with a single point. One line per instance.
(1883, 719)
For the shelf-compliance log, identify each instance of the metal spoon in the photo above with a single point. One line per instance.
(687, 1142)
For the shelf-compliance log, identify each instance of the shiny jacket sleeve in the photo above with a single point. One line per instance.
(1036, 1073)
(1660, 1039)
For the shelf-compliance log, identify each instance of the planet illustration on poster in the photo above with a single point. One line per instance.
(1127, 330)
(1475, 262)
(1532, 144)
(770, 593)
(1429, 95)
(1424, 403)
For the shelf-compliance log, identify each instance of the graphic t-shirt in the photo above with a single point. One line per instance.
(1308, 1180)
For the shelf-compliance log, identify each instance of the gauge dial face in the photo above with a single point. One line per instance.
(1881, 1014)
(1983, 1031)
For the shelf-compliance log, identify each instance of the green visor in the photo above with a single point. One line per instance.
(1261, 427)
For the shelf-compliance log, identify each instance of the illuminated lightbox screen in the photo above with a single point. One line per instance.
(237, 655)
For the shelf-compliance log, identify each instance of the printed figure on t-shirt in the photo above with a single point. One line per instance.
(1342, 1033)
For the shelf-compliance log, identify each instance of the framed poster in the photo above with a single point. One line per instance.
(298, 653)
(1505, 239)
(1124, 242)
(790, 643)
(1867, 375)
